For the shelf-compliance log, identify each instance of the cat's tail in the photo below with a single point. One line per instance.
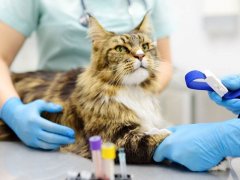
(6, 133)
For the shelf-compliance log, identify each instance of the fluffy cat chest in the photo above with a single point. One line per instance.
(144, 105)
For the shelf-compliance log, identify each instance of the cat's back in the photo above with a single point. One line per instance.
(45, 84)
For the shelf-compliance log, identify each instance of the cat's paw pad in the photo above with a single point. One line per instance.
(223, 166)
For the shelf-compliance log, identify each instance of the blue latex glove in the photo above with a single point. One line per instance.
(199, 147)
(31, 128)
(232, 83)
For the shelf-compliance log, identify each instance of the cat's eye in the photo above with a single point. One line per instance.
(145, 46)
(121, 49)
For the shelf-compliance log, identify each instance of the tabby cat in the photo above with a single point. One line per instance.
(116, 97)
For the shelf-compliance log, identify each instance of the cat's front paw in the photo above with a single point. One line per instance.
(158, 134)
(163, 132)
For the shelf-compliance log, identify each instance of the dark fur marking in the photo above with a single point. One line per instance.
(70, 78)
(127, 36)
(143, 39)
(79, 123)
(41, 88)
(123, 40)
(141, 151)
(54, 117)
(6, 133)
(146, 83)
(144, 144)
(45, 75)
(123, 131)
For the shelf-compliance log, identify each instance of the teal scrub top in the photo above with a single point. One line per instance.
(62, 41)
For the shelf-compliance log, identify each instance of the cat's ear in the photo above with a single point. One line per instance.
(145, 26)
(96, 32)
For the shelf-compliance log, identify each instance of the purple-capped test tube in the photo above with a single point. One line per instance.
(95, 147)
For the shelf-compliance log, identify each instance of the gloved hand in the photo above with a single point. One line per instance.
(232, 83)
(199, 147)
(31, 128)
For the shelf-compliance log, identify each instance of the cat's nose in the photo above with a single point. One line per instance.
(139, 55)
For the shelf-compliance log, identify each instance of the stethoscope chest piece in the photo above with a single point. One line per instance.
(84, 19)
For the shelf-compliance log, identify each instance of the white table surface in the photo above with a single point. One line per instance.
(22, 163)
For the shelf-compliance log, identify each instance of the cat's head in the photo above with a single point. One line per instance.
(123, 59)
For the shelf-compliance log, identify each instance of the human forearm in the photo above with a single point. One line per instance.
(10, 43)
(7, 89)
(165, 75)
(165, 67)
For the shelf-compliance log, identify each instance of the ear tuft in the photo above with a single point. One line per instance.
(145, 26)
(96, 31)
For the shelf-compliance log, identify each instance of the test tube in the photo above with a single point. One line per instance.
(95, 147)
(108, 155)
(122, 161)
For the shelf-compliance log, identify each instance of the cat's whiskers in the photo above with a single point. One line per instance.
(118, 77)
(114, 80)
(91, 69)
(121, 73)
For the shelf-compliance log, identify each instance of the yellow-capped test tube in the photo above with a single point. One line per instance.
(108, 156)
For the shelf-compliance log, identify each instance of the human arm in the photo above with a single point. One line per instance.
(10, 43)
(162, 26)
(199, 147)
(165, 67)
(232, 83)
(25, 119)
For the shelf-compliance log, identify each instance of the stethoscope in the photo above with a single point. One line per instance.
(84, 18)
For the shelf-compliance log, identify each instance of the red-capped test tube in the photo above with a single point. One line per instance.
(95, 147)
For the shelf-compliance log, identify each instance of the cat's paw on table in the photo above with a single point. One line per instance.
(154, 131)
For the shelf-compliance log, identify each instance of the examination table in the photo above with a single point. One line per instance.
(22, 163)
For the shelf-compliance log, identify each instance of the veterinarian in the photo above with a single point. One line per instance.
(200, 147)
(61, 31)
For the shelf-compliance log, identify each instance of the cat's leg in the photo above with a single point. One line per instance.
(80, 147)
(138, 145)
(77, 148)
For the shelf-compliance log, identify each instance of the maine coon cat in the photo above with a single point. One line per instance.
(116, 97)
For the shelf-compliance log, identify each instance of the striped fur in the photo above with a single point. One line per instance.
(90, 96)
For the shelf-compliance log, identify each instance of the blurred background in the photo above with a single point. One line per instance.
(206, 35)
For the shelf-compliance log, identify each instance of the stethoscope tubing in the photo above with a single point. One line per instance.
(84, 7)
(84, 16)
